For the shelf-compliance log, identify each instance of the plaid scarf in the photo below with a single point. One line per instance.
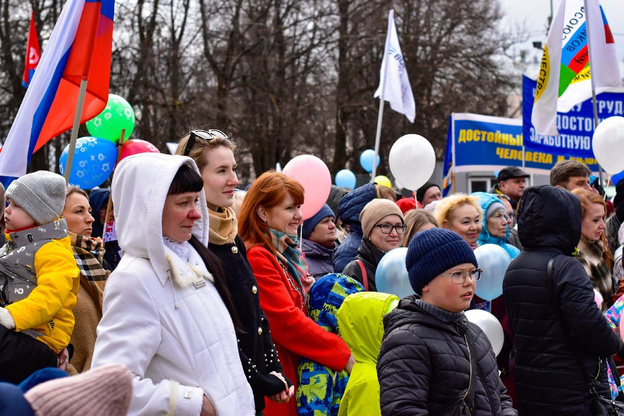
(89, 253)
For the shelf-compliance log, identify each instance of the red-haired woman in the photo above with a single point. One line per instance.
(593, 252)
(268, 222)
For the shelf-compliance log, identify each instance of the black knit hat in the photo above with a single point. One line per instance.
(432, 252)
(420, 193)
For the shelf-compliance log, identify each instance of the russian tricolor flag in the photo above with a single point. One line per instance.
(79, 48)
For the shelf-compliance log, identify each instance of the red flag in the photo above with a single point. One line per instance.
(33, 53)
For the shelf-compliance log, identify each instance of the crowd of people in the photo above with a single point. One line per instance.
(213, 301)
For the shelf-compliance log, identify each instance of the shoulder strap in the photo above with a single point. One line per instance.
(364, 275)
(550, 271)
(472, 355)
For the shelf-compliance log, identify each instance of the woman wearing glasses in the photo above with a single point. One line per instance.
(269, 219)
(213, 153)
(382, 229)
(432, 360)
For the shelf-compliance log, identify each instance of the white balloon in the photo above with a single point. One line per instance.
(608, 144)
(490, 325)
(412, 160)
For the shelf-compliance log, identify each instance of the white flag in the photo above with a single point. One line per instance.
(394, 85)
(565, 79)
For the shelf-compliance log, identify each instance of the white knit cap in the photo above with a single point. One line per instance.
(101, 391)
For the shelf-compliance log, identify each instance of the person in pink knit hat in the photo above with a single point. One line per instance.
(104, 391)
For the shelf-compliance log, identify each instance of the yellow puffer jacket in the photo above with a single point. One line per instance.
(48, 308)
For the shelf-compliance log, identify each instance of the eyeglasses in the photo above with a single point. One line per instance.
(206, 135)
(387, 228)
(460, 276)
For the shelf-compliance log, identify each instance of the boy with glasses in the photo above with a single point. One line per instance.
(432, 359)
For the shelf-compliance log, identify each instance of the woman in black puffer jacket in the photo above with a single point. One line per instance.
(424, 363)
(549, 380)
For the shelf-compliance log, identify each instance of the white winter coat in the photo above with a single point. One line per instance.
(179, 342)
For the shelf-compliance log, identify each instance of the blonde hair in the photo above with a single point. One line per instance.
(201, 147)
(76, 190)
(385, 192)
(415, 219)
(449, 204)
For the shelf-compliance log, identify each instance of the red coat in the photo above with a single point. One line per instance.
(293, 333)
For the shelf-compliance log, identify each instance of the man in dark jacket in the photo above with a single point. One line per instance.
(549, 378)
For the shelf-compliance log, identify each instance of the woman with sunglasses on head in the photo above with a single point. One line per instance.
(213, 153)
(382, 229)
(432, 359)
(269, 218)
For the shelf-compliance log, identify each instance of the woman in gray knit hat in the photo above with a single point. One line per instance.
(382, 229)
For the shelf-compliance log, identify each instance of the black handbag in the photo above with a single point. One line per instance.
(600, 406)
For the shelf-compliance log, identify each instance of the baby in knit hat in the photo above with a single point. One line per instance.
(39, 279)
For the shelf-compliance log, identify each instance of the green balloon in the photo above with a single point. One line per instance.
(117, 115)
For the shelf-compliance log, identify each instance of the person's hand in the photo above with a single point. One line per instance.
(350, 364)
(6, 320)
(62, 360)
(207, 408)
(285, 395)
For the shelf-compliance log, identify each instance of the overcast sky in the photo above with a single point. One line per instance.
(533, 16)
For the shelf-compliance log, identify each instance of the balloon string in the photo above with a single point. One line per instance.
(109, 205)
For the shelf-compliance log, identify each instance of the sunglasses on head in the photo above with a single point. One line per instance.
(206, 135)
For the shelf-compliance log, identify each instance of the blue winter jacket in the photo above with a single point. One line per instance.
(349, 210)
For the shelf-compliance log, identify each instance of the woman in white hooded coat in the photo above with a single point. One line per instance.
(165, 313)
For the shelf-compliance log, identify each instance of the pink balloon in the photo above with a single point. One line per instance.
(132, 147)
(313, 174)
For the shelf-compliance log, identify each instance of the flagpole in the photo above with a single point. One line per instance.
(81, 97)
(593, 85)
(75, 127)
(381, 96)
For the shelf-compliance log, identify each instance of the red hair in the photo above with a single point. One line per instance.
(268, 191)
(588, 198)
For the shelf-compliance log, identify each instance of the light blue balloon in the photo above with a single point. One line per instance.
(94, 161)
(366, 159)
(345, 179)
(493, 260)
(391, 274)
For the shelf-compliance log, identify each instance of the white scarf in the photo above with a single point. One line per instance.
(186, 267)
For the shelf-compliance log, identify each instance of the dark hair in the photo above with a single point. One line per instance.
(213, 263)
(186, 179)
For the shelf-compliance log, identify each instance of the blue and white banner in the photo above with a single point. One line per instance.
(576, 127)
(481, 143)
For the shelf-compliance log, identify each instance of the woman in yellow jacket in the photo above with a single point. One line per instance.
(39, 278)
